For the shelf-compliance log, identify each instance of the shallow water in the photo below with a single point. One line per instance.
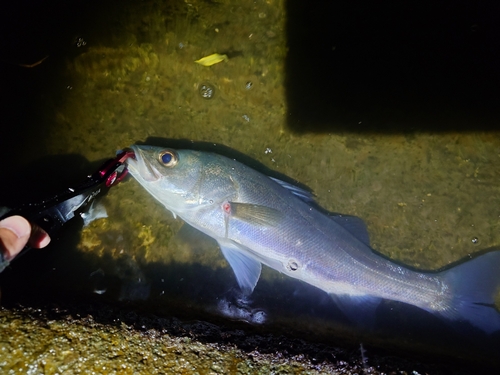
(429, 198)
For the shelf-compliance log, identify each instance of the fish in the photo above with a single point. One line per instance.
(260, 220)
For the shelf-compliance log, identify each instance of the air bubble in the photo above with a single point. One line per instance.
(206, 90)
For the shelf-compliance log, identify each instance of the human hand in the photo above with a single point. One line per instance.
(16, 232)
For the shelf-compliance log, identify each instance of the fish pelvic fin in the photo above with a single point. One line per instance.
(476, 286)
(245, 268)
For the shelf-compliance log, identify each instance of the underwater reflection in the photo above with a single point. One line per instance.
(238, 306)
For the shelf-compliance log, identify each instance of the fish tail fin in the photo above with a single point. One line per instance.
(476, 286)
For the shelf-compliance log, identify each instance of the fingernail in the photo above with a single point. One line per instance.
(45, 241)
(19, 226)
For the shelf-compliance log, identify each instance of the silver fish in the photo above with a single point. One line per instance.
(258, 220)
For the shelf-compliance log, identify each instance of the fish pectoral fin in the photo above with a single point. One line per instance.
(358, 309)
(256, 214)
(245, 268)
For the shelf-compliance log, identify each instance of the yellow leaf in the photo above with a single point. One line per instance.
(211, 59)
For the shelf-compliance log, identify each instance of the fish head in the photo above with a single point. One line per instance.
(171, 176)
(183, 180)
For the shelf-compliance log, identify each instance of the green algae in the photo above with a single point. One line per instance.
(31, 343)
(58, 341)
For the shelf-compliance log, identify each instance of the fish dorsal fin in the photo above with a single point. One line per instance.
(245, 268)
(303, 194)
(354, 225)
(256, 214)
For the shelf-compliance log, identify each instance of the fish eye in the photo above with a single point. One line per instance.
(168, 158)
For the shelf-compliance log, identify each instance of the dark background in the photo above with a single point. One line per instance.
(394, 66)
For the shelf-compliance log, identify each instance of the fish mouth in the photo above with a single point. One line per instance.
(140, 166)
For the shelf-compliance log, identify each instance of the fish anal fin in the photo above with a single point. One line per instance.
(358, 309)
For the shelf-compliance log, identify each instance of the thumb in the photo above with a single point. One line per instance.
(14, 234)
